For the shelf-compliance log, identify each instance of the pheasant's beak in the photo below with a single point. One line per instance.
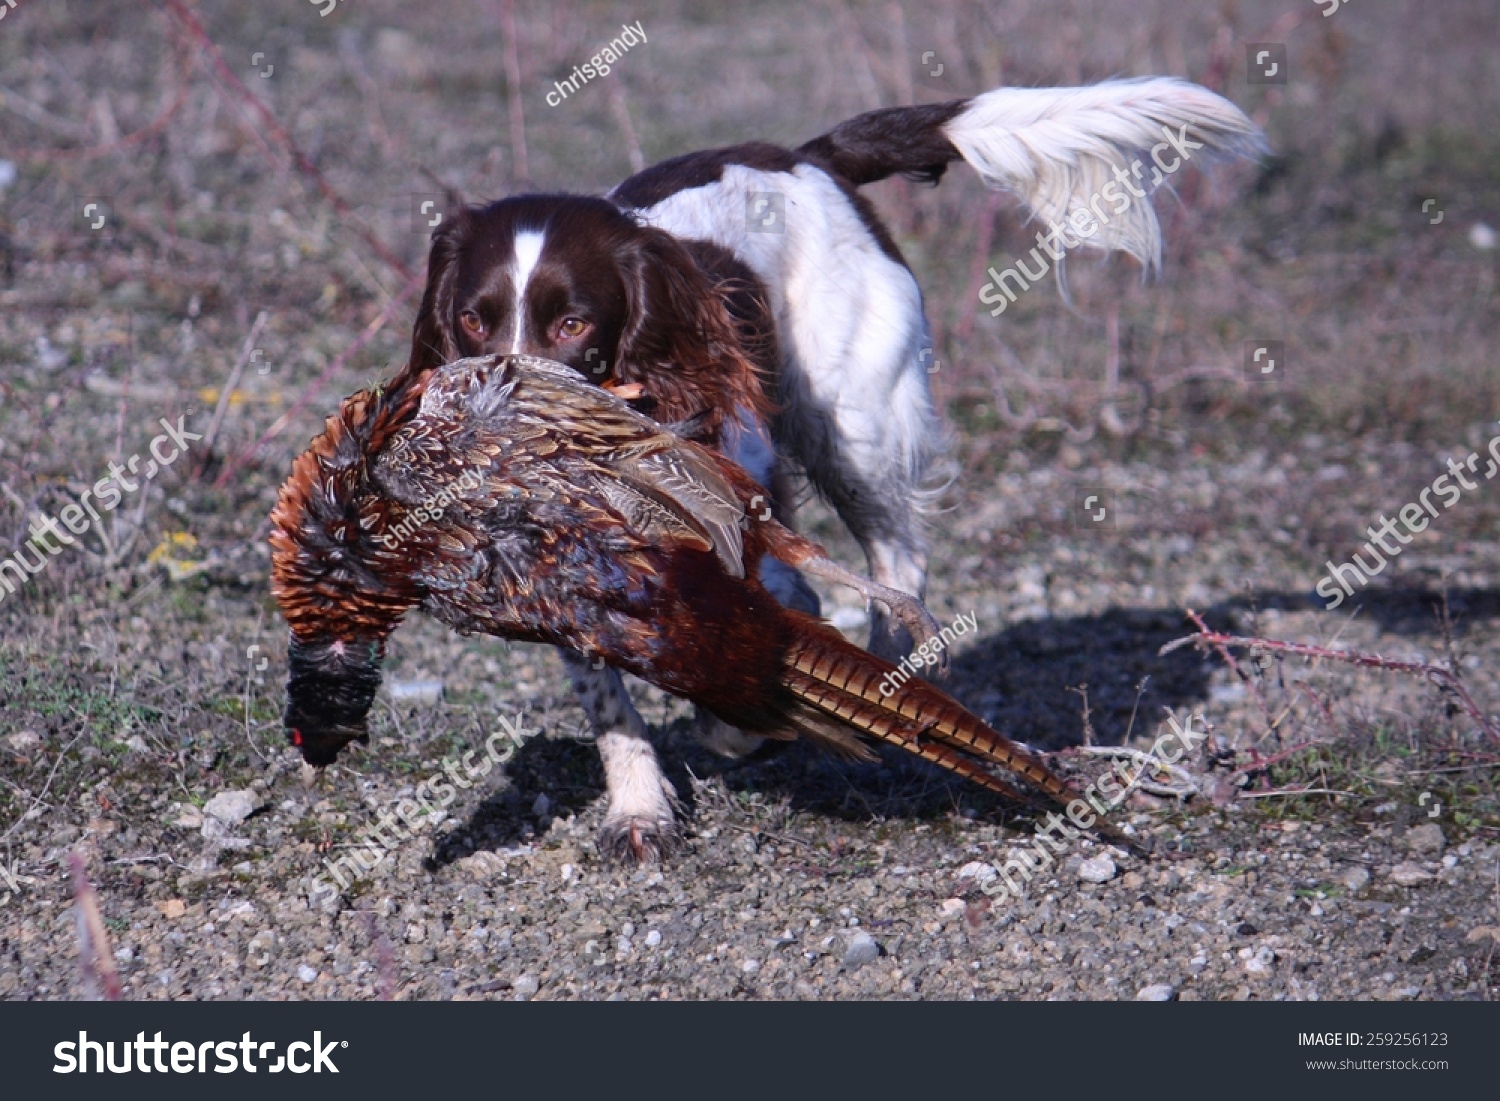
(625, 391)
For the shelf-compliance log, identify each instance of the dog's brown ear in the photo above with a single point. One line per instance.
(433, 341)
(678, 324)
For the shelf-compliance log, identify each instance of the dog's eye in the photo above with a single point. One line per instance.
(572, 327)
(472, 323)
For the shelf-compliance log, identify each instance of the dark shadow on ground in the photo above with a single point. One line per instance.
(567, 771)
(1408, 608)
(1018, 680)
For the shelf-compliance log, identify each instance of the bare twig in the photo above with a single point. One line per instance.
(46, 786)
(521, 163)
(385, 960)
(247, 349)
(1292, 792)
(1229, 660)
(94, 955)
(299, 159)
(621, 111)
(1443, 678)
(1088, 720)
(1260, 764)
(42, 117)
(317, 384)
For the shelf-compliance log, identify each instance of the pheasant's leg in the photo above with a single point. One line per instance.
(908, 610)
(902, 567)
(639, 823)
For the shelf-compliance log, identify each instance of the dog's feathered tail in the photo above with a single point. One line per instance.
(1056, 149)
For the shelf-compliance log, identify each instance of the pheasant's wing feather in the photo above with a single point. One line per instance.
(485, 413)
(643, 462)
(684, 479)
(647, 516)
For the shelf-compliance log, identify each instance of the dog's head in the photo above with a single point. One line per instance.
(577, 280)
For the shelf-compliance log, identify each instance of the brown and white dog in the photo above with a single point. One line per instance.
(769, 256)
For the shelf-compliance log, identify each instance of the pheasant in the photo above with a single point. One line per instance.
(505, 495)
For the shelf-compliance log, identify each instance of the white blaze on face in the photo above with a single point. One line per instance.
(528, 251)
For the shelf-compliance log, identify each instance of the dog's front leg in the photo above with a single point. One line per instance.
(639, 823)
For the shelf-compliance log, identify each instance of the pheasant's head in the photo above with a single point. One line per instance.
(330, 687)
(341, 591)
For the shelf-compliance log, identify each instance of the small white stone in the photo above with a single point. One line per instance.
(23, 740)
(233, 807)
(978, 871)
(1097, 869)
(307, 974)
(862, 949)
(1261, 962)
(416, 691)
(1158, 992)
(1355, 878)
(1409, 875)
(525, 986)
(750, 967)
(653, 938)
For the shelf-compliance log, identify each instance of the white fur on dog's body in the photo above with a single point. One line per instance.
(849, 322)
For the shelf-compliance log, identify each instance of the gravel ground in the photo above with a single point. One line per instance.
(1337, 834)
(799, 876)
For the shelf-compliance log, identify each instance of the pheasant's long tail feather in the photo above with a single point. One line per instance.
(838, 679)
